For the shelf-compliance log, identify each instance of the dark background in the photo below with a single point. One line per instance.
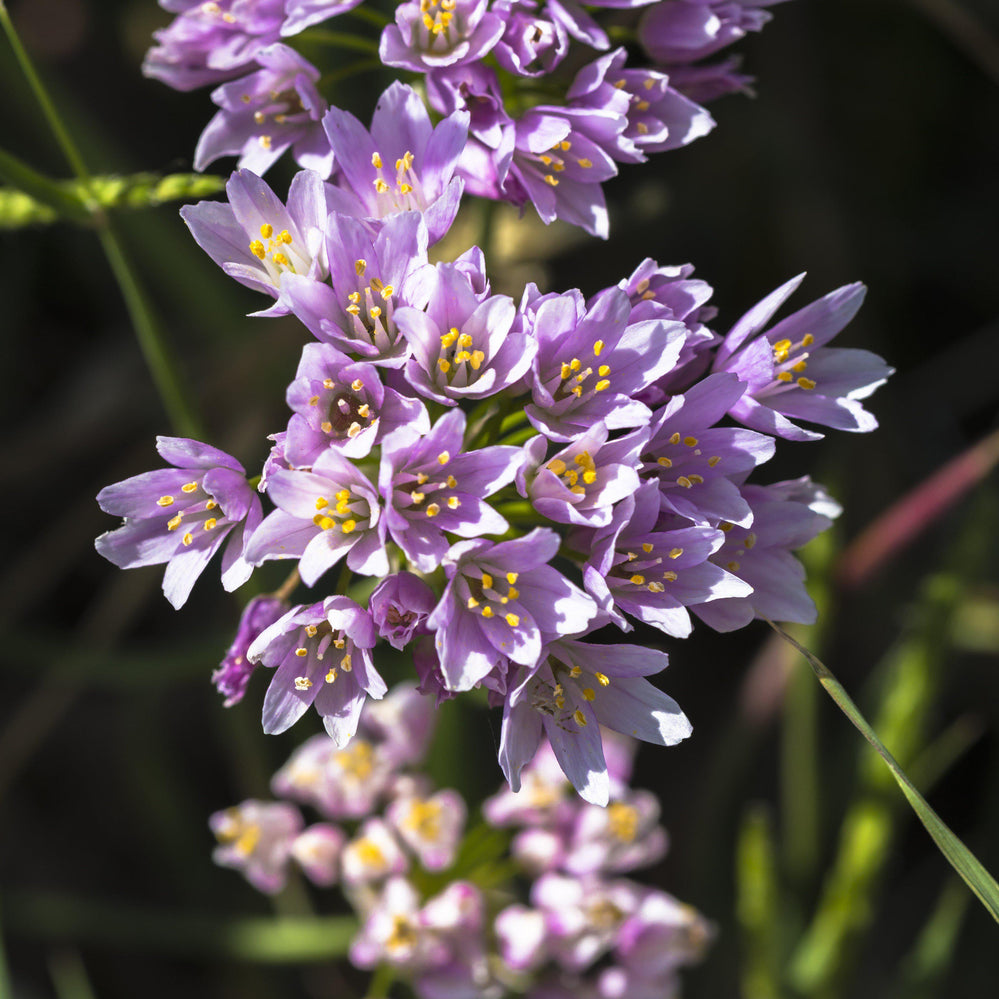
(871, 153)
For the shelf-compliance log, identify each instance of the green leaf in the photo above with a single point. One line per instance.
(51, 196)
(974, 875)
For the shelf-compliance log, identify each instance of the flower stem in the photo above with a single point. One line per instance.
(152, 343)
(381, 982)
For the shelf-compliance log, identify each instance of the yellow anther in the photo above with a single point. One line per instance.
(422, 478)
(374, 312)
(418, 498)
(453, 502)
(174, 523)
(546, 160)
(601, 385)
(806, 383)
(675, 552)
(732, 566)
(444, 365)
(210, 504)
(348, 526)
(472, 603)
(301, 653)
(696, 479)
(655, 587)
(267, 230)
(326, 427)
(311, 630)
(550, 180)
(714, 459)
(579, 718)
(376, 161)
(558, 167)
(602, 679)
(302, 683)
(682, 480)
(476, 359)
(642, 128)
(512, 593)
(387, 292)
(210, 523)
(565, 372)
(343, 494)
(257, 249)
(360, 266)
(565, 145)
(603, 370)
(799, 367)
(323, 523)
(357, 384)
(665, 462)
(452, 482)
(487, 611)
(465, 340)
(785, 376)
(280, 259)
(597, 347)
(433, 509)
(354, 296)
(187, 538)
(284, 236)
(556, 465)
(619, 84)
(345, 663)
(338, 643)
(512, 577)
(331, 675)
(647, 547)
(690, 441)
(807, 340)
(585, 163)
(670, 576)
(589, 694)
(637, 579)
(674, 438)
(364, 411)
(512, 620)
(189, 487)
(321, 503)
(750, 541)
(589, 477)
(165, 501)
(265, 141)
(643, 105)
(487, 581)
(649, 83)
(443, 458)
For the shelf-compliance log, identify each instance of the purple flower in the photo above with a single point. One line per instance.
(583, 481)
(256, 838)
(181, 516)
(371, 276)
(267, 112)
(683, 31)
(501, 602)
(522, 935)
(342, 404)
(431, 487)
(403, 164)
(786, 516)
(589, 367)
(660, 935)
(709, 81)
(323, 515)
(373, 855)
(621, 837)
(392, 932)
(322, 656)
(654, 574)
(462, 346)
(301, 14)
(532, 44)
(258, 241)
(400, 606)
(317, 851)
(658, 117)
(211, 42)
(430, 34)
(233, 674)
(773, 365)
(694, 461)
(577, 688)
(431, 827)
(400, 725)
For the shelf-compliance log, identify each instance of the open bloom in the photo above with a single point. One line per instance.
(256, 838)
(181, 516)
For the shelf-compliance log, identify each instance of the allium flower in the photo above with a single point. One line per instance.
(233, 674)
(400, 606)
(661, 935)
(400, 725)
(393, 932)
(341, 403)
(342, 783)
(577, 688)
(430, 34)
(621, 837)
(694, 461)
(317, 851)
(655, 574)
(501, 602)
(589, 367)
(522, 934)
(462, 345)
(373, 855)
(211, 42)
(267, 112)
(258, 241)
(773, 366)
(181, 516)
(256, 838)
(370, 277)
(431, 827)
(786, 516)
(323, 515)
(321, 655)
(403, 164)
(532, 44)
(430, 487)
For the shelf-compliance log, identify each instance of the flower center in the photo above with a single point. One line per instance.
(575, 379)
(485, 596)
(646, 570)
(197, 513)
(457, 351)
(405, 193)
(789, 363)
(347, 409)
(278, 252)
(680, 457)
(370, 307)
(583, 468)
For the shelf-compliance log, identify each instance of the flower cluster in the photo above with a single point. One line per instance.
(426, 893)
(550, 107)
(516, 475)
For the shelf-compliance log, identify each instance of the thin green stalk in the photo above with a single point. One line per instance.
(381, 982)
(6, 988)
(375, 17)
(151, 341)
(974, 874)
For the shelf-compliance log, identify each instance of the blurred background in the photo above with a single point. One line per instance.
(871, 153)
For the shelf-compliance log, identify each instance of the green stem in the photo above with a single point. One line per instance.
(381, 982)
(375, 17)
(151, 341)
(343, 40)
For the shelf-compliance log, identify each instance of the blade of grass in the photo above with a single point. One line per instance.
(974, 875)
(758, 907)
